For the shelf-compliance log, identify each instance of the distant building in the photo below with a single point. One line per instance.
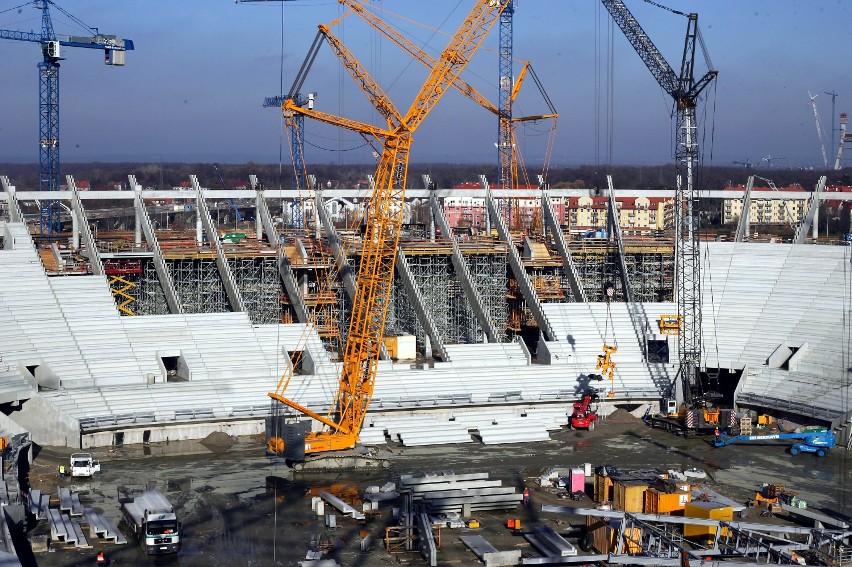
(637, 216)
(766, 206)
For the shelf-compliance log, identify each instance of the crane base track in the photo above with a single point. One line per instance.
(343, 461)
(676, 426)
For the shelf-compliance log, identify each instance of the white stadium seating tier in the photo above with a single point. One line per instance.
(96, 366)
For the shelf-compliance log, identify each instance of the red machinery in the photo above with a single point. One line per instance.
(583, 417)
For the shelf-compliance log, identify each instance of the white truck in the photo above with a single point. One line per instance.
(152, 518)
(82, 464)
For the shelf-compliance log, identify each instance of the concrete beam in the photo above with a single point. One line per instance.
(228, 281)
(521, 276)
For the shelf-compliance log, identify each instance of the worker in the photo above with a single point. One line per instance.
(61, 470)
(716, 432)
(526, 496)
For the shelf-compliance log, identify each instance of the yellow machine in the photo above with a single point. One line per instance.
(670, 324)
(607, 366)
(383, 221)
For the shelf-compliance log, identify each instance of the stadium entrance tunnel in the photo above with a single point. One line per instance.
(723, 381)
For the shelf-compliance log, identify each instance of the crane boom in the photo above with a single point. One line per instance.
(383, 221)
(366, 83)
(684, 90)
(370, 18)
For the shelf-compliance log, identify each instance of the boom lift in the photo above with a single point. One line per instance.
(817, 441)
(383, 221)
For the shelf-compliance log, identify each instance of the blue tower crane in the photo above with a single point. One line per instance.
(51, 46)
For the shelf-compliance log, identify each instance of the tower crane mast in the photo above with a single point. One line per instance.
(505, 146)
(685, 90)
(383, 222)
(48, 69)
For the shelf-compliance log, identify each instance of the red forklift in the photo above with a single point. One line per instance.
(583, 416)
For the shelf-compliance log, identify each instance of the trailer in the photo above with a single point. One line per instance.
(152, 518)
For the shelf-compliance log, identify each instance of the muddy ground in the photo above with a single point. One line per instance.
(238, 508)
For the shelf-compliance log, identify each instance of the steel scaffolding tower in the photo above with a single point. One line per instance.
(151, 300)
(258, 283)
(199, 286)
(488, 271)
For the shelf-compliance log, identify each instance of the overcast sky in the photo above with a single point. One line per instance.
(192, 90)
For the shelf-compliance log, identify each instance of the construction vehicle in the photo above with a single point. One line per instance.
(83, 465)
(382, 224)
(685, 90)
(583, 417)
(814, 441)
(152, 518)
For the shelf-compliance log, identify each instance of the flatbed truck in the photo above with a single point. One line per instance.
(152, 518)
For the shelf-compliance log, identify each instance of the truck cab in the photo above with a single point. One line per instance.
(83, 465)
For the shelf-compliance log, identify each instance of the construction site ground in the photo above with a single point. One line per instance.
(239, 508)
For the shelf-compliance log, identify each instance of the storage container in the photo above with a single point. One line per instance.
(708, 511)
(659, 502)
(603, 488)
(629, 496)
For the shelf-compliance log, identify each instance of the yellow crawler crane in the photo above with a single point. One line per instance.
(383, 220)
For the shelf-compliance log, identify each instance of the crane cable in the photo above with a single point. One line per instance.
(672, 10)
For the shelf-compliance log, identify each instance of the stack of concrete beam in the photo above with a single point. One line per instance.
(464, 493)
(549, 543)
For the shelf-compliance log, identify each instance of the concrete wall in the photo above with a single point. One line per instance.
(166, 433)
(47, 425)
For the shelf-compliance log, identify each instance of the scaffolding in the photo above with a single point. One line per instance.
(650, 269)
(258, 283)
(198, 285)
(488, 272)
(150, 298)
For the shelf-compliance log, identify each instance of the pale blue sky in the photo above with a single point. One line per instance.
(193, 88)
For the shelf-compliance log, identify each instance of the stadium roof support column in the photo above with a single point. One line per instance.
(550, 221)
(234, 297)
(813, 208)
(419, 305)
(521, 276)
(264, 217)
(163, 273)
(340, 256)
(15, 214)
(83, 223)
(463, 272)
(615, 234)
(743, 228)
(292, 287)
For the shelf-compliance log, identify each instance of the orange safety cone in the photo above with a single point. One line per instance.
(101, 558)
